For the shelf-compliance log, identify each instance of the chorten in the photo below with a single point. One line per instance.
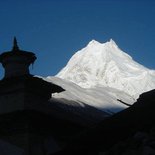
(25, 114)
(16, 62)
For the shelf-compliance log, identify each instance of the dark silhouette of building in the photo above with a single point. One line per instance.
(31, 121)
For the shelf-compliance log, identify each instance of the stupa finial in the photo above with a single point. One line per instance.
(15, 45)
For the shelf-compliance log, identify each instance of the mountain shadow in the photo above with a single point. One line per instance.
(131, 131)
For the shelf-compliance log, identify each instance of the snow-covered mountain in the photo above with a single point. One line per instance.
(106, 65)
(103, 76)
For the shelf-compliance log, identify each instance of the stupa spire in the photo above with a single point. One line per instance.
(15, 45)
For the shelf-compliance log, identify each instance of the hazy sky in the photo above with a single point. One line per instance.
(55, 29)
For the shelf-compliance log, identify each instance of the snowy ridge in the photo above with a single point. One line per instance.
(105, 65)
(103, 98)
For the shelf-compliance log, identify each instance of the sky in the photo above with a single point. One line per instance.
(55, 29)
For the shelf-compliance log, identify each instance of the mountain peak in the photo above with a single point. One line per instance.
(105, 64)
(93, 42)
(112, 42)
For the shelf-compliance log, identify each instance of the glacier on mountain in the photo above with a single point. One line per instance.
(103, 76)
(106, 65)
